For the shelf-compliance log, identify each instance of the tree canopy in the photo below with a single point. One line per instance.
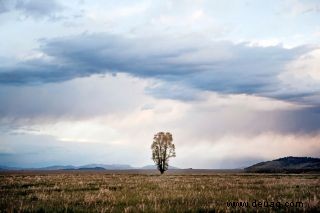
(162, 149)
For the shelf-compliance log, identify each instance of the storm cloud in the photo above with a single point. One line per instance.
(219, 66)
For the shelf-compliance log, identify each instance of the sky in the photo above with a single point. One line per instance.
(236, 82)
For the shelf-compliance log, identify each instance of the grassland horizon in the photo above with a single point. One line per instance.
(147, 191)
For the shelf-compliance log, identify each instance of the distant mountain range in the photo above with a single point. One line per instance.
(87, 167)
(281, 165)
(287, 165)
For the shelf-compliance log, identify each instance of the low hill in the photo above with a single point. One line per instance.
(287, 165)
(107, 166)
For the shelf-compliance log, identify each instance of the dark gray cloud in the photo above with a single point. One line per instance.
(197, 63)
(6, 5)
(32, 8)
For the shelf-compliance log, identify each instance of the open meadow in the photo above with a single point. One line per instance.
(146, 191)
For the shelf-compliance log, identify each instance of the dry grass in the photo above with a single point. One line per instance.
(107, 192)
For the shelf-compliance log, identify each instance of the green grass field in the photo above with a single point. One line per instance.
(85, 191)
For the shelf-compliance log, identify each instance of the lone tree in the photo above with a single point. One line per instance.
(162, 149)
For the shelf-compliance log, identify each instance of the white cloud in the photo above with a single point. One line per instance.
(307, 66)
(265, 42)
(302, 76)
(297, 7)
